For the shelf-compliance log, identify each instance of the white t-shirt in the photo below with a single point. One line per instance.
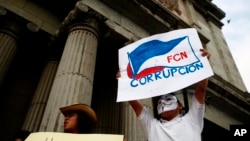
(181, 128)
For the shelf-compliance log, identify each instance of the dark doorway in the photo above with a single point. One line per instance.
(212, 132)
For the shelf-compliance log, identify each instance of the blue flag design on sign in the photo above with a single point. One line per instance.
(146, 51)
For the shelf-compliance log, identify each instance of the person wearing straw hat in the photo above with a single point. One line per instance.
(79, 118)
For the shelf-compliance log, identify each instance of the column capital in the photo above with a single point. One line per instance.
(11, 28)
(90, 24)
(80, 14)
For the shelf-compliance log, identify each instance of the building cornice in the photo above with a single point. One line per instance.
(209, 11)
(229, 93)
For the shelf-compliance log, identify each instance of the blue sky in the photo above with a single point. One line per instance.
(237, 33)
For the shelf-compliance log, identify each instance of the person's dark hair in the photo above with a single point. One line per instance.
(85, 123)
(22, 134)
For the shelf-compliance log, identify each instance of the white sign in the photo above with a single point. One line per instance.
(56, 136)
(161, 64)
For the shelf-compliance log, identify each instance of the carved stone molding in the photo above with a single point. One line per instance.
(80, 14)
(171, 5)
(11, 28)
(90, 24)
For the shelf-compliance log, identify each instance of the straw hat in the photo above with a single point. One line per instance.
(80, 107)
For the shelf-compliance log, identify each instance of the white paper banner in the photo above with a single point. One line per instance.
(54, 136)
(161, 64)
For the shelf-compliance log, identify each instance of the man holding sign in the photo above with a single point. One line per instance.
(162, 64)
(173, 126)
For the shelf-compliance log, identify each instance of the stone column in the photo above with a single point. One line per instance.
(8, 47)
(39, 101)
(108, 112)
(132, 129)
(74, 78)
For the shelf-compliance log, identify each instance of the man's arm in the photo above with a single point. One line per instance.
(200, 89)
(137, 106)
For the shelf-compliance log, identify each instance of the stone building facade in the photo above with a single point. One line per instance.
(55, 53)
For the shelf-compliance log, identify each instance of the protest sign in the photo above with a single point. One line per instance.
(160, 64)
(56, 136)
